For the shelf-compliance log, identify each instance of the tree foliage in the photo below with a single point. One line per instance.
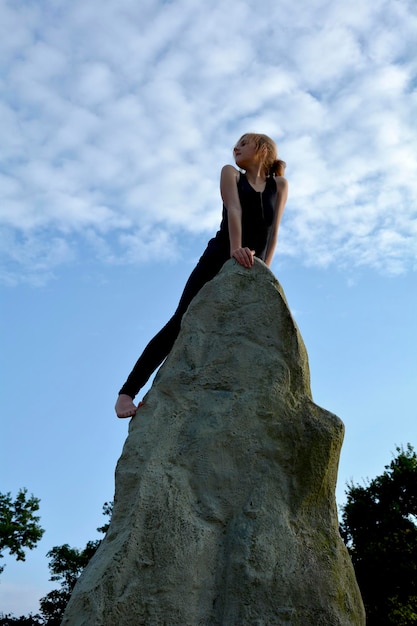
(379, 526)
(28, 620)
(66, 565)
(19, 526)
(107, 512)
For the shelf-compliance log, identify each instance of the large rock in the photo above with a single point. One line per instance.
(224, 512)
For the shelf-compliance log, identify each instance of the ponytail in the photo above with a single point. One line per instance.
(277, 168)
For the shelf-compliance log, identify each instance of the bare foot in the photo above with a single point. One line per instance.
(125, 406)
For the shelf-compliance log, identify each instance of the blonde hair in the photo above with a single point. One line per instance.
(273, 165)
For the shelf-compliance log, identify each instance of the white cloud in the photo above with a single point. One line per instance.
(116, 120)
(33, 258)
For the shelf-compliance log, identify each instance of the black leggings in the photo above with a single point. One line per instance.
(159, 347)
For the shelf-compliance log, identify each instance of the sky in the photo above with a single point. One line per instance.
(115, 121)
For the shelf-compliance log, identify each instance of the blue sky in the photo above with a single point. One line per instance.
(115, 122)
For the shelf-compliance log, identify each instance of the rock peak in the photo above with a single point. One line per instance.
(224, 510)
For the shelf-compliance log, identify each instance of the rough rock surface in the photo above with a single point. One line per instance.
(224, 510)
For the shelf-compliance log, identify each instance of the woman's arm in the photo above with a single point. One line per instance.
(282, 195)
(230, 197)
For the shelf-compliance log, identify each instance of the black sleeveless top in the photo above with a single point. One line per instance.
(258, 212)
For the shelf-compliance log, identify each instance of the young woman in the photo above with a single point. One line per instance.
(253, 204)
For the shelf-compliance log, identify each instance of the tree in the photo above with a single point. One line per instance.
(66, 565)
(107, 512)
(19, 527)
(29, 620)
(379, 527)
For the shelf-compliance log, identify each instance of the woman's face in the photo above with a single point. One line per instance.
(244, 152)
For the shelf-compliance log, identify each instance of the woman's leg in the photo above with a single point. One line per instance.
(152, 356)
(160, 346)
